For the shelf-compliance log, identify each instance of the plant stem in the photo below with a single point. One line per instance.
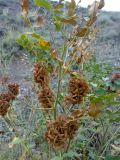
(68, 145)
(28, 150)
(59, 79)
(106, 145)
(58, 89)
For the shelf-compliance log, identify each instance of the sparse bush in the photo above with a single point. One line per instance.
(72, 114)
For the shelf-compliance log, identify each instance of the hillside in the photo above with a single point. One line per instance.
(107, 41)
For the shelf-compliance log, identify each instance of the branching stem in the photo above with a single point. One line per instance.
(59, 79)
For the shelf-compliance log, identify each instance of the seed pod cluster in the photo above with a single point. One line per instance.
(78, 113)
(4, 105)
(60, 131)
(77, 89)
(40, 74)
(7, 97)
(41, 78)
(46, 98)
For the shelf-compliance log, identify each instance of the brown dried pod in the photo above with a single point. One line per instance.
(78, 88)
(40, 74)
(6, 96)
(60, 130)
(4, 105)
(56, 133)
(46, 98)
(72, 127)
(13, 89)
(78, 113)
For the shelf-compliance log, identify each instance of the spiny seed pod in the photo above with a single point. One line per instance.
(4, 105)
(40, 74)
(13, 89)
(78, 113)
(72, 127)
(56, 133)
(78, 88)
(60, 130)
(46, 98)
(6, 96)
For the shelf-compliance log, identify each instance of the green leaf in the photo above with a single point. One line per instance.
(58, 26)
(112, 157)
(81, 138)
(100, 91)
(43, 3)
(57, 23)
(57, 158)
(93, 84)
(70, 153)
(117, 84)
(33, 34)
(113, 102)
(24, 41)
(115, 119)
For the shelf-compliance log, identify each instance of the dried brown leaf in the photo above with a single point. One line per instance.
(71, 8)
(24, 7)
(95, 7)
(71, 20)
(39, 21)
(53, 54)
(81, 32)
(101, 4)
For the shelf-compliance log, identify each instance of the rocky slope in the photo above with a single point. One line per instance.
(107, 41)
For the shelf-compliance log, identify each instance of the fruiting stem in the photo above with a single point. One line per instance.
(59, 79)
(58, 90)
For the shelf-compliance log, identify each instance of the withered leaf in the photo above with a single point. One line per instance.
(101, 4)
(81, 32)
(24, 7)
(43, 43)
(70, 20)
(53, 54)
(93, 9)
(90, 21)
(71, 8)
(58, 6)
(94, 110)
(39, 21)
